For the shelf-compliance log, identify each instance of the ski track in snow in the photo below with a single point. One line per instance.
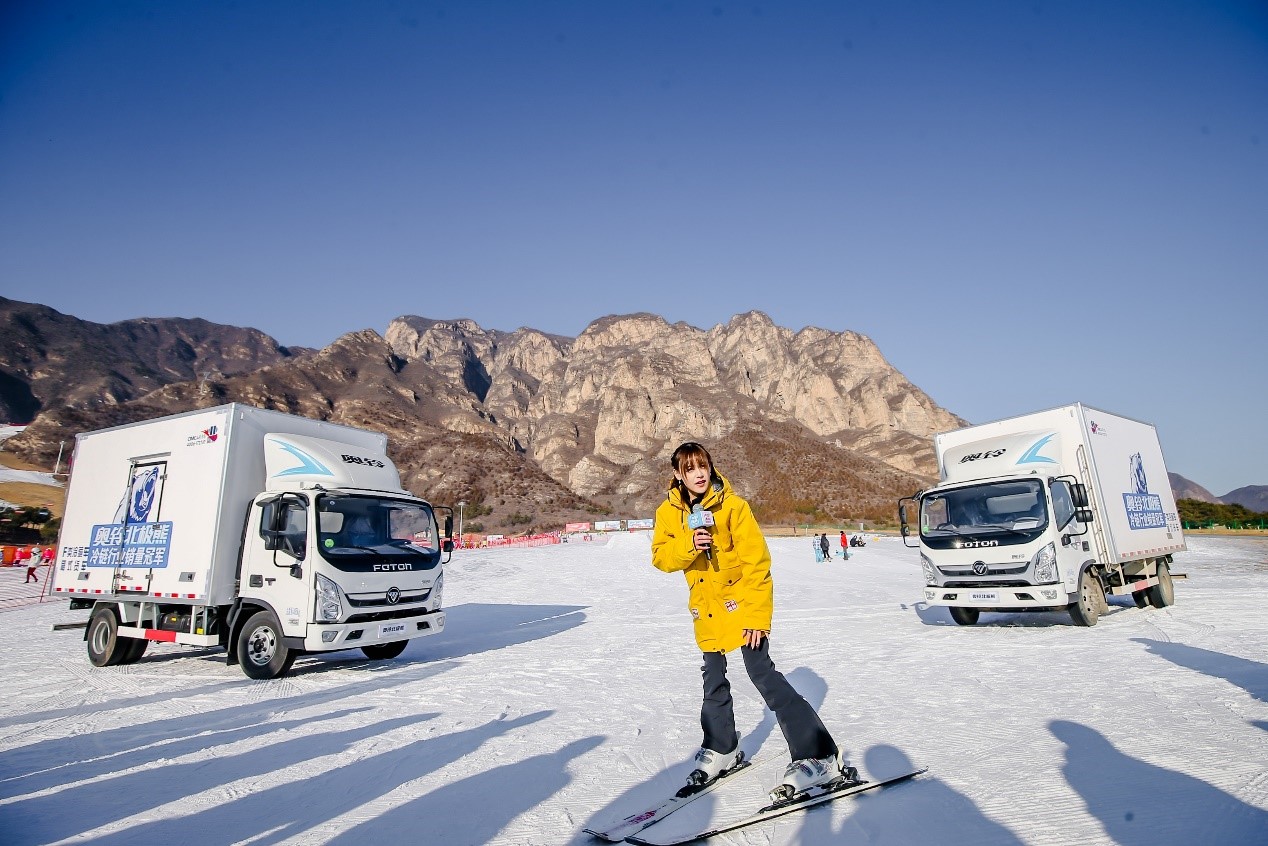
(565, 692)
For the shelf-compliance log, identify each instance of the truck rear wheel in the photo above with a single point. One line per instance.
(105, 647)
(383, 651)
(1164, 593)
(965, 616)
(1086, 610)
(262, 652)
(136, 648)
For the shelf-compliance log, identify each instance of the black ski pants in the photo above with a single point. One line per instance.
(803, 730)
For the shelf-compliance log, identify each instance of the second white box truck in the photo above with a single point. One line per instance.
(264, 533)
(1046, 511)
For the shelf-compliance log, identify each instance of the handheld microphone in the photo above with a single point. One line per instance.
(701, 519)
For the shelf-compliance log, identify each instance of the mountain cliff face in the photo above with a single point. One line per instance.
(533, 429)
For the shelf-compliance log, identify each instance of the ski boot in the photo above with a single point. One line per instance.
(806, 773)
(711, 765)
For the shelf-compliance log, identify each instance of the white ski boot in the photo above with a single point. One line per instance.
(806, 773)
(710, 764)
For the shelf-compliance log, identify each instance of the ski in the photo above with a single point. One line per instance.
(810, 798)
(635, 823)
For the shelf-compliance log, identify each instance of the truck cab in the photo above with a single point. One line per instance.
(1003, 543)
(337, 569)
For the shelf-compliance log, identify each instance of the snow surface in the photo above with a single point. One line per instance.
(565, 693)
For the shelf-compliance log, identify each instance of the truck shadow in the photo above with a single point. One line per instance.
(938, 615)
(1141, 804)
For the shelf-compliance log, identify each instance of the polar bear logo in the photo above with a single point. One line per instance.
(1139, 484)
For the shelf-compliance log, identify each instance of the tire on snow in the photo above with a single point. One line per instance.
(262, 651)
(965, 616)
(1164, 593)
(1086, 610)
(384, 651)
(105, 647)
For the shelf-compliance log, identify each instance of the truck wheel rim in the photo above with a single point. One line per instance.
(261, 645)
(100, 635)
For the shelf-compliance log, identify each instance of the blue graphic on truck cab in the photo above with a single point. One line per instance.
(308, 466)
(1032, 456)
(1144, 510)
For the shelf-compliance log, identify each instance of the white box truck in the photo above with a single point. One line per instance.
(264, 533)
(1046, 511)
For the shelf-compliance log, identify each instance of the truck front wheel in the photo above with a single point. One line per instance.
(1086, 610)
(105, 647)
(383, 651)
(261, 650)
(1164, 593)
(965, 616)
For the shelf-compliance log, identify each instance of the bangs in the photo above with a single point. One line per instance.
(690, 456)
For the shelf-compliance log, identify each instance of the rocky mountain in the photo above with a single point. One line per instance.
(49, 359)
(533, 429)
(1183, 488)
(1253, 497)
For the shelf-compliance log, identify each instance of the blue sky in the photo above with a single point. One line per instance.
(1023, 204)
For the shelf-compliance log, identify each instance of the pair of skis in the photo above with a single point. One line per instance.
(629, 828)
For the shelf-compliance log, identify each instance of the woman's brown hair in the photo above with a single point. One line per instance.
(689, 455)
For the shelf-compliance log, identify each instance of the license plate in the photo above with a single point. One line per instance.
(991, 596)
(391, 629)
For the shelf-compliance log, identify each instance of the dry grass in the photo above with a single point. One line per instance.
(28, 493)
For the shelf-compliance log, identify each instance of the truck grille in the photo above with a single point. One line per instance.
(962, 570)
(379, 600)
(394, 614)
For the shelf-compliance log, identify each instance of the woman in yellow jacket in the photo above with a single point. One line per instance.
(731, 597)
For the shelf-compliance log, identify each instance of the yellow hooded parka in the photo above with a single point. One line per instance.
(733, 591)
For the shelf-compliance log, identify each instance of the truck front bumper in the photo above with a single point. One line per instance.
(324, 637)
(1001, 598)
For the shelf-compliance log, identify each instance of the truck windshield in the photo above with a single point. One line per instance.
(1013, 506)
(360, 527)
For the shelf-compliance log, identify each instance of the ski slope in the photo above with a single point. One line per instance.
(565, 690)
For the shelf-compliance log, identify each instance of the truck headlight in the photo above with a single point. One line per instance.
(931, 575)
(329, 607)
(1045, 565)
(437, 593)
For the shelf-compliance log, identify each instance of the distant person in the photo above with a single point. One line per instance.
(32, 558)
(48, 556)
(814, 544)
(825, 547)
(845, 545)
(731, 598)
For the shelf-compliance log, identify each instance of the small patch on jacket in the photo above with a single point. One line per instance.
(695, 613)
(732, 605)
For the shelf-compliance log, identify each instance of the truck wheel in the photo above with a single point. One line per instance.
(1140, 597)
(105, 647)
(261, 650)
(964, 616)
(136, 648)
(1164, 593)
(383, 651)
(1087, 609)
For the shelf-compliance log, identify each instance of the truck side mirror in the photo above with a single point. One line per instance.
(446, 545)
(1083, 515)
(1078, 494)
(903, 528)
(449, 528)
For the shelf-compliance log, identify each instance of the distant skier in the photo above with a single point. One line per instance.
(731, 598)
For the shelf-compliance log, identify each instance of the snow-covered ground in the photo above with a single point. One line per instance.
(565, 692)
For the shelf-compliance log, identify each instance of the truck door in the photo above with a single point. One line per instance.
(140, 540)
(277, 559)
